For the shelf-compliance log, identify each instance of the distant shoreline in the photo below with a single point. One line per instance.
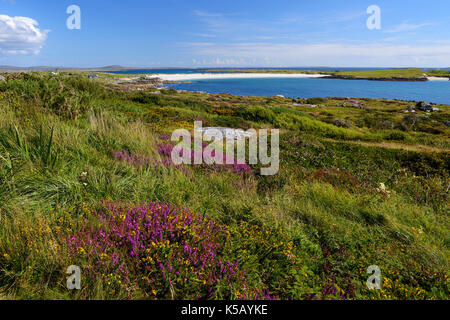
(218, 76)
(186, 74)
(410, 79)
(213, 76)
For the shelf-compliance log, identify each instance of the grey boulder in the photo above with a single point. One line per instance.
(424, 106)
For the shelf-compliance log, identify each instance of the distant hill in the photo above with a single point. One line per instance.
(49, 68)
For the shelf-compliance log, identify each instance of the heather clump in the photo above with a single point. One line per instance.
(132, 159)
(158, 251)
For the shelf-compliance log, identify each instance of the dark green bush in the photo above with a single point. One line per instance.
(397, 136)
(257, 114)
(316, 100)
(146, 98)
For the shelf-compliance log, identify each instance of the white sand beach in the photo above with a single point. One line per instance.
(211, 76)
(437, 79)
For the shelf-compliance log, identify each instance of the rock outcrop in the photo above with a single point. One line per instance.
(424, 106)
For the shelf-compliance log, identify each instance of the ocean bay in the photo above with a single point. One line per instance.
(431, 91)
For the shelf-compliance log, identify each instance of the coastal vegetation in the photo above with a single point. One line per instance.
(393, 73)
(385, 74)
(85, 180)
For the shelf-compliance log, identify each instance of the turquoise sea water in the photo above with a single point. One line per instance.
(431, 91)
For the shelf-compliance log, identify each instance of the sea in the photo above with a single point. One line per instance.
(431, 91)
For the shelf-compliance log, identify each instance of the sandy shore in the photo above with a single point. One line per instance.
(437, 79)
(209, 76)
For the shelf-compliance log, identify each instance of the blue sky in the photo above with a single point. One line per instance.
(244, 33)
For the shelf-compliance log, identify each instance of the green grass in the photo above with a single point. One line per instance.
(394, 73)
(387, 73)
(439, 73)
(282, 71)
(318, 224)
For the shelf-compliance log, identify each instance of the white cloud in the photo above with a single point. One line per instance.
(405, 26)
(20, 35)
(201, 13)
(203, 35)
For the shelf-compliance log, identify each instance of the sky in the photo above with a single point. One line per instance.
(232, 33)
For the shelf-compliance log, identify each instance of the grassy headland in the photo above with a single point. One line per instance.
(85, 181)
(408, 74)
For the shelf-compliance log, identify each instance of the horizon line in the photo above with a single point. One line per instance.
(116, 67)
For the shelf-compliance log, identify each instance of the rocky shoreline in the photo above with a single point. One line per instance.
(140, 83)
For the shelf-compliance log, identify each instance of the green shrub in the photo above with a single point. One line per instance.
(279, 110)
(168, 101)
(168, 91)
(316, 100)
(256, 114)
(294, 122)
(397, 136)
(146, 98)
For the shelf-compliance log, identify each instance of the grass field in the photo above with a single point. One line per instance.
(85, 181)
